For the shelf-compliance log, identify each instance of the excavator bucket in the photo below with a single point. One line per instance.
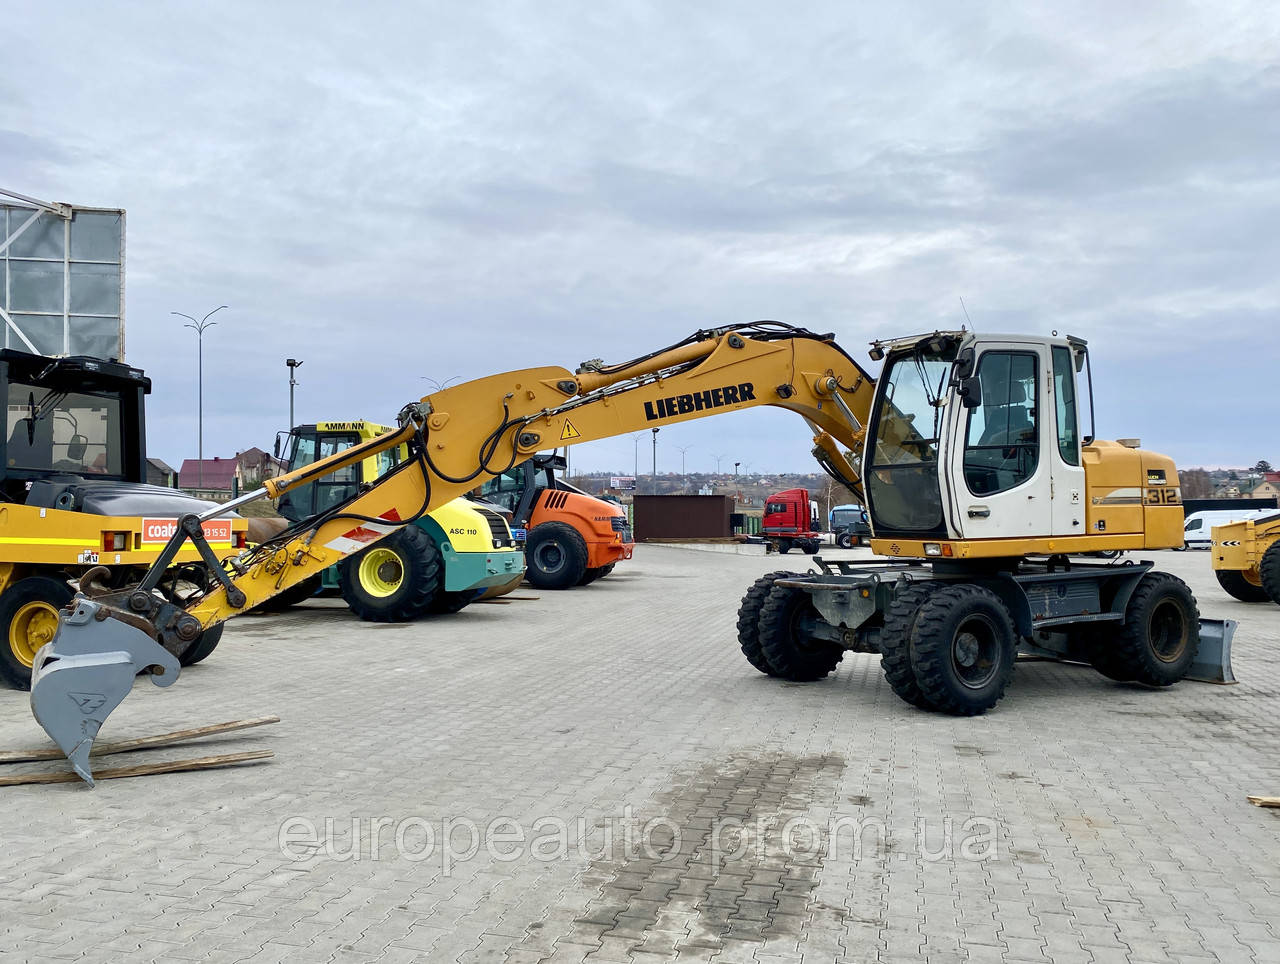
(86, 671)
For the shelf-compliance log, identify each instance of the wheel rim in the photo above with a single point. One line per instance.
(381, 572)
(975, 652)
(1168, 635)
(802, 627)
(32, 626)
(550, 557)
(1252, 577)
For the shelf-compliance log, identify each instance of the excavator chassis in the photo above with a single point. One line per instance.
(1061, 609)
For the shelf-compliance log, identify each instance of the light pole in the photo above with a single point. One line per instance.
(198, 327)
(635, 471)
(655, 461)
(717, 458)
(294, 364)
(684, 476)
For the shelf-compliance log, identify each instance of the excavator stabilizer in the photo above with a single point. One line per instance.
(86, 671)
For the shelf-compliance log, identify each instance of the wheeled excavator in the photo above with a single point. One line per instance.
(967, 450)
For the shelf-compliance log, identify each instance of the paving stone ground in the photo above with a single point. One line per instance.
(639, 794)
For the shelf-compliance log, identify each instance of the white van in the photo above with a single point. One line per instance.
(1198, 529)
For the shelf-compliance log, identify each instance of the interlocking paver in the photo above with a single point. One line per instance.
(1117, 814)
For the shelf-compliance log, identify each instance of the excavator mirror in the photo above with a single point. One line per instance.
(76, 446)
(963, 367)
(970, 392)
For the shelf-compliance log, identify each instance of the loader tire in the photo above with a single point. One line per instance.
(895, 643)
(1237, 584)
(556, 556)
(1157, 642)
(290, 597)
(1269, 570)
(749, 620)
(29, 615)
(787, 620)
(202, 646)
(394, 580)
(963, 649)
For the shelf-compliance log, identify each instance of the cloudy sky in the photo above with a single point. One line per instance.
(402, 193)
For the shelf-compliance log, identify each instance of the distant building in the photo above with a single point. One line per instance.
(219, 479)
(212, 479)
(161, 473)
(1266, 489)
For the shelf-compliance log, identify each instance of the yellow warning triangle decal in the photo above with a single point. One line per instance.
(569, 431)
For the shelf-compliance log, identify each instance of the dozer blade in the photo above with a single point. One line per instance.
(85, 672)
(1213, 658)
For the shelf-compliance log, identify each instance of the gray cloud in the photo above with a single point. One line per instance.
(392, 192)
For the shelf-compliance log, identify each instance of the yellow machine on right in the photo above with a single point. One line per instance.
(1246, 558)
(981, 483)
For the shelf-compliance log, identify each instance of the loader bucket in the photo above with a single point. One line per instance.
(85, 672)
(1213, 657)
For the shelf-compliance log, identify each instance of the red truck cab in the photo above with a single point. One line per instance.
(791, 519)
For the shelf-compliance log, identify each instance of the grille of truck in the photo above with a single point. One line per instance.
(498, 530)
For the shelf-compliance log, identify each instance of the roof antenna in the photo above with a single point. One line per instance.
(965, 310)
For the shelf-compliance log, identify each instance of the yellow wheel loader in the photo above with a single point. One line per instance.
(979, 479)
(452, 556)
(1246, 558)
(73, 469)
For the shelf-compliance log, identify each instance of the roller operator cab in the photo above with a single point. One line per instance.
(456, 554)
(573, 538)
(74, 469)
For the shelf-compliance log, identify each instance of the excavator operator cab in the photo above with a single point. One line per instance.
(976, 437)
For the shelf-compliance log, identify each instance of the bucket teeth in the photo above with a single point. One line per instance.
(85, 672)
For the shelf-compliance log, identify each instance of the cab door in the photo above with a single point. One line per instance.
(1067, 469)
(1001, 478)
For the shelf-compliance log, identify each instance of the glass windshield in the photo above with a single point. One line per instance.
(63, 431)
(845, 517)
(903, 485)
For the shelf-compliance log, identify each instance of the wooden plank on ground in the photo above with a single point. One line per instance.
(142, 769)
(1265, 801)
(141, 743)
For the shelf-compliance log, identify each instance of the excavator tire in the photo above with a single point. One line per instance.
(556, 556)
(895, 643)
(394, 580)
(290, 597)
(1157, 642)
(786, 637)
(963, 649)
(1269, 570)
(202, 646)
(749, 620)
(29, 615)
(1237, 584)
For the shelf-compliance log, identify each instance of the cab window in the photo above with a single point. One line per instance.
(1002, 441)
(1064, 397)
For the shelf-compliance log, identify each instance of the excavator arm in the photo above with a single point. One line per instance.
(456, 438)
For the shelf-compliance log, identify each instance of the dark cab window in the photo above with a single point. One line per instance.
(1002, 442)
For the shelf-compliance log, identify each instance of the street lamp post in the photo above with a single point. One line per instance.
(198, 327)
(294, 364)
(684, 475)
(655, 461)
